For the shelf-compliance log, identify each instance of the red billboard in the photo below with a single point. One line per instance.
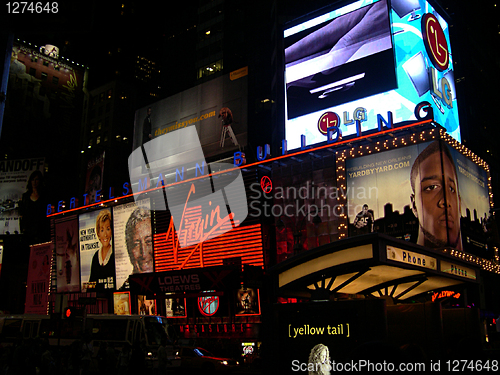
(38, 283)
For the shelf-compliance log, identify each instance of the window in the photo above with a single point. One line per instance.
(55, 80)
(44, 76)
(210, 69)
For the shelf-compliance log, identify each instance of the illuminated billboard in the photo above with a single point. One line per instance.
(67, 255)
(55, 84)
(345, 66)
(133, 240)
(97, 256)
(38, 283)
(23, 199)
(217, 109)
(401, 192)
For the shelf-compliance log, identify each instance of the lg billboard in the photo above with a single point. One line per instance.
(346, 65)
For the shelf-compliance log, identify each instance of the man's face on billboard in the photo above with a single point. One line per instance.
(142, 250)
(436, 221)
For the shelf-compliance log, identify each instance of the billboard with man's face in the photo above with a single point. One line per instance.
(133, 240)
(344, 66)
(427, 193)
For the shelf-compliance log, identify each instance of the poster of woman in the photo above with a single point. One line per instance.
(96, 251)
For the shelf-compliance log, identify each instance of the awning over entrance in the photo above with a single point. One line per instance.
(374, 264)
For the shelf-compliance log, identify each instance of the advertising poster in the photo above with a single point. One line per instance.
(97, 258)
(22, 193)
(32, 74)
(345, 66)
(247, 302)
(175, 307)
(94, 178)
(146, 306)
(217, 109)
(475, 205)
(400, 192)
(38, 283)
(67, 255)
(121, 301)
(133, 240)
(320, 334)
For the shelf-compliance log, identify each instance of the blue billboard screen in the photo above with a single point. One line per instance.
(367, 58)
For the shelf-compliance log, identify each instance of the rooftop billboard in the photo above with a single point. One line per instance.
(345, 66)
(217, 109)
(427, 193)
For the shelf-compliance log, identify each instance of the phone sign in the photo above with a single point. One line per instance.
(435, 42)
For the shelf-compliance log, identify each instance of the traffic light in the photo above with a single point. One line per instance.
(72, 312)
(69, 313)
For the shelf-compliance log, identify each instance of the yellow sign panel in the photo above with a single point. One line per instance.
(238, 73)
(410, 257)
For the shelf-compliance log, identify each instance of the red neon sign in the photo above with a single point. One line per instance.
(266, 184)
(444, 294)
(208, 305)
(243, 241)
